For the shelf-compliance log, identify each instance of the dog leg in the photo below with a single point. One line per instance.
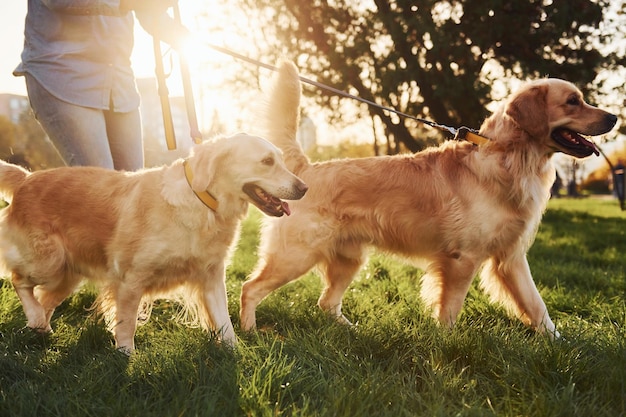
(272, 275)
(51, 298)
(340, 272)
(510, 282)
(34, 311)
(445, 285)
(215, 304)
(127, 299)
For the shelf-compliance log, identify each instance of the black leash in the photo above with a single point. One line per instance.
(619, 188)
(461, 133)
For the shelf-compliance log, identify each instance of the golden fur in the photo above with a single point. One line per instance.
(138, 234)
(462, 208)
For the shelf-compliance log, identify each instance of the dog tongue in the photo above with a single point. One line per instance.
(285, 207)
(590, 145)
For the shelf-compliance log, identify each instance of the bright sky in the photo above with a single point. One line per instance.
(12, 34)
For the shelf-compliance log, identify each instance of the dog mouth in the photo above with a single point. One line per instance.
(266, 202)
(572, 143)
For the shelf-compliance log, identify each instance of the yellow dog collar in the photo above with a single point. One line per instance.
(203, 196)
(464, 133)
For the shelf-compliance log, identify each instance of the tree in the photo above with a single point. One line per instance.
(7, 137)
(438, 60)
(33, 147)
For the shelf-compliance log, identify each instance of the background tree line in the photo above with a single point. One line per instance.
(26, 144)
(440, 60)
(445, 61)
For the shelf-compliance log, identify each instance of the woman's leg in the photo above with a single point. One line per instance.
(86, 136)
(78, 133)
(125, 139)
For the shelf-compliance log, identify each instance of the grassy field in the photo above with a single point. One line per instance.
(395, 362)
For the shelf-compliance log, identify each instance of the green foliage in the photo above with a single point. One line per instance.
(394, 362)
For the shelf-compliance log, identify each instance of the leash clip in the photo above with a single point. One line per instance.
(470, 135)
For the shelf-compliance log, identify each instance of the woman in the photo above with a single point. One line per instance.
(76, 62)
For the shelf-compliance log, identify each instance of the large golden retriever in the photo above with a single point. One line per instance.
(138, 234)
(459, 207)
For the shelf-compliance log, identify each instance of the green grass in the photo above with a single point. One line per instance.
(394, 362)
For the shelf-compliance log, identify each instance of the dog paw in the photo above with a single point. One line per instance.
(341, 319)
(229, 342)
(125, 350)
(40, 329)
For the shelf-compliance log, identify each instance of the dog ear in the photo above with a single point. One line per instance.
(528, 110)
(204, 166)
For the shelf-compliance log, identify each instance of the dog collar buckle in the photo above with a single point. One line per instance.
(470, 135)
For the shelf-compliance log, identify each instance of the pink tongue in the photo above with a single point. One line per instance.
(590, 144)
(285, 207)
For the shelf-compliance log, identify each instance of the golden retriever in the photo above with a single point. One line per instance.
(460, 207)
(138, 234)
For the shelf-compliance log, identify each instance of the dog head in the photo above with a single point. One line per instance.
(248, 166)
(553, 112)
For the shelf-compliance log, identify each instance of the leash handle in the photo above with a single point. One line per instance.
(168, 123)
(195, 133)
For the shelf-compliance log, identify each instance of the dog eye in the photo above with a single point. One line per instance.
(269, 161)
(573, 101)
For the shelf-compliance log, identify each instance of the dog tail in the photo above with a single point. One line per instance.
(11, 177)
(282, 116)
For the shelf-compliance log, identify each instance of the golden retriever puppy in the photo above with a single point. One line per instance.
(460, 207)
(138, 234)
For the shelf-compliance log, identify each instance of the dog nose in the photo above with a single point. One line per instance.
(611, 119)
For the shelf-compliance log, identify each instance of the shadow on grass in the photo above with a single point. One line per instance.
(394, 362)
(176, 370)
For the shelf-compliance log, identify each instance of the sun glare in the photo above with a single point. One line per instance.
(210, 24)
